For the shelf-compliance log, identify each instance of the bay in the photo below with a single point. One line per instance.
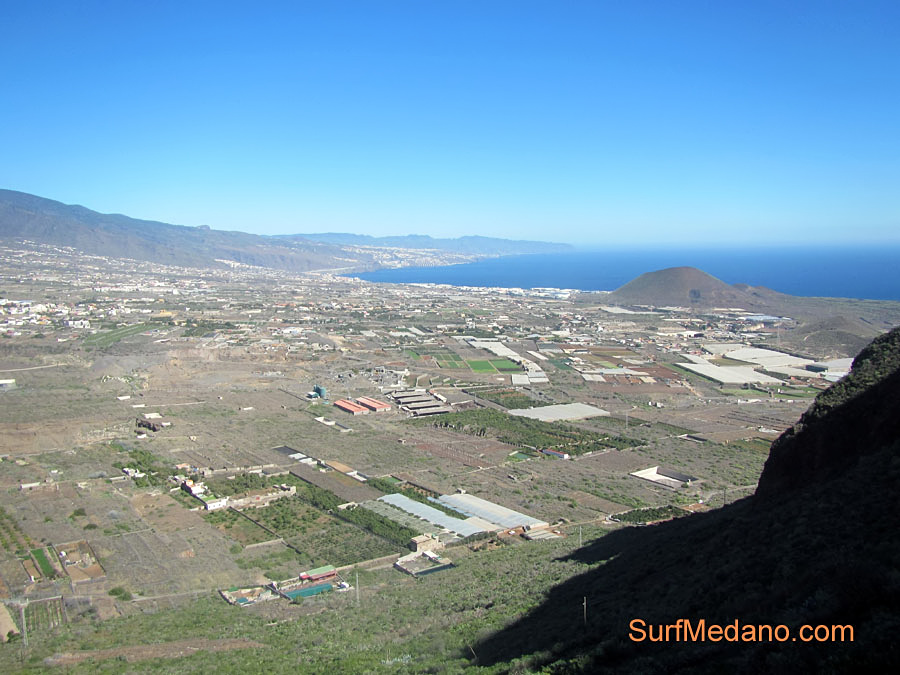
(871, 272)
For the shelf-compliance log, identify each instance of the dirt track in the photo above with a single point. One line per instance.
(157, 651)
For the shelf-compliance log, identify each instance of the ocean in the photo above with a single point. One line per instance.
(840, 272)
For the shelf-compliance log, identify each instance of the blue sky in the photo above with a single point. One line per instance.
(588, 122)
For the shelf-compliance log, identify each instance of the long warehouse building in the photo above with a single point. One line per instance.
(373, 404)
(351, 407)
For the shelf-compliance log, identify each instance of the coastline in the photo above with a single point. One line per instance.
(816, 272)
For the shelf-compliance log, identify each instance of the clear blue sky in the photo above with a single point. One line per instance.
(591, 122)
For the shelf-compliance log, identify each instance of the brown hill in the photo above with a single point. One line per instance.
(686, 287)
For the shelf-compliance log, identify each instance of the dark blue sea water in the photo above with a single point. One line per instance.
(844, 272)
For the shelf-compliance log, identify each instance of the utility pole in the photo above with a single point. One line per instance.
(22, 609)
(579, 536)
(584, 605)
(357, 588)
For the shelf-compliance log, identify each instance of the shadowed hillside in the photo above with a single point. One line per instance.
(817, 544)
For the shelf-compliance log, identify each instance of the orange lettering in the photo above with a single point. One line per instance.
(636, 625)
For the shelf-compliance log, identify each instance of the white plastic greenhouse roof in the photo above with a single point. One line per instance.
(493, 513)
(431, 514)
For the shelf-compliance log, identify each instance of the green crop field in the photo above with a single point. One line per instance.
(41, 558)
(505, 365)
(481, 366)
(105, 339)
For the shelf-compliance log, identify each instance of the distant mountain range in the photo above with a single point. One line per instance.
(470, 244)
(44, 221)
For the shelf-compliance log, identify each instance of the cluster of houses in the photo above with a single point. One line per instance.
(254, 499)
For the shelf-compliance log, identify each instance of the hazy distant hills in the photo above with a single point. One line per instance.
(469, 244)
(25, 216)
(817, 545)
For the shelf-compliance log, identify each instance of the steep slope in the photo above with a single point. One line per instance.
(838, 429)
(44, 221)
(684, 287)
(838, 334)
(818, 544)
(24, 216)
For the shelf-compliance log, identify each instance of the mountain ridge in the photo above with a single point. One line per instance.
(46, 221)
(25, 216)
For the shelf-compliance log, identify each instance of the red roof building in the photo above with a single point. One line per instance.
(351, 407)
(373, 404)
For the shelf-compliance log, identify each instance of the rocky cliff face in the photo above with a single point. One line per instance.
(857, 417)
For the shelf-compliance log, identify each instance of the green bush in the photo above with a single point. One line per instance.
(121, 594)
(522, 431)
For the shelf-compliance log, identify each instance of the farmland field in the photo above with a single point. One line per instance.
(522, 431)
(44, 614)
(40, 557)
(440, 356)
(505, 365)
(511, 399)
(107, 338)
(236, 526)
(319, 537)
(12, 538)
